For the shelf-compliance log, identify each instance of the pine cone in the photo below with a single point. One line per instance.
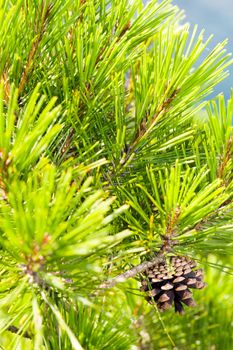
(170, 282)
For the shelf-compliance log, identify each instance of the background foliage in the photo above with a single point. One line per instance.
(109, 147)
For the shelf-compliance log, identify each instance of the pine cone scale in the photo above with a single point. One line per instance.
(170, 283)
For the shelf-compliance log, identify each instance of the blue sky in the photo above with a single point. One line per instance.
(216, 17)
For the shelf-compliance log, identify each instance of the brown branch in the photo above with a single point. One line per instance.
(66, 145)
(132, 272)
(40, 30)
(224, 160)
(167, 246)
(172, 220)
(4, 79)
(144, 126)
(124, 30)
(16, 330)
(4, 164)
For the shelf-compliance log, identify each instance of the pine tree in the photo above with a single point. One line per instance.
(116, 172)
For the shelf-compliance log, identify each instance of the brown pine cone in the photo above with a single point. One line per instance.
(170, 282)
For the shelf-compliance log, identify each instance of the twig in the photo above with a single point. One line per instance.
(145, 126)
(132, 272)
(40, 30)
(16, 330)
(225, 159)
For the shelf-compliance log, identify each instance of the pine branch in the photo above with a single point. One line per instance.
(225, 159)
(166, 247)
(144, 128)
(15, 330)
(170, 181)
(132, 272)
(40, 30)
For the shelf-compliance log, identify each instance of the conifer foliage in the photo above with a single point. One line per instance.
(115, 169)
